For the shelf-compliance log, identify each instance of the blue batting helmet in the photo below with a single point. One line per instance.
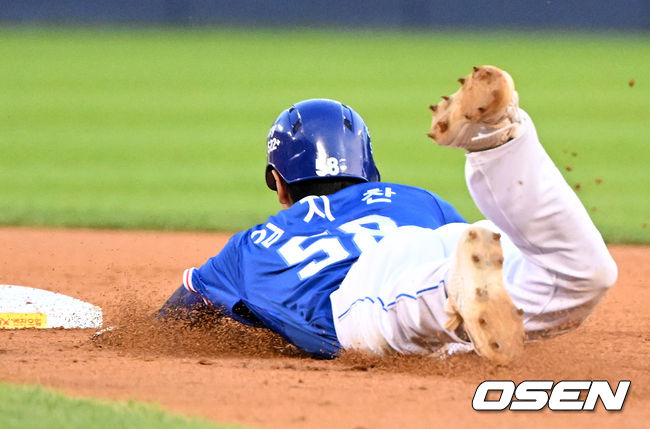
(317, 139)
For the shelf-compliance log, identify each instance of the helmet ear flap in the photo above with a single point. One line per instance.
(270, 180)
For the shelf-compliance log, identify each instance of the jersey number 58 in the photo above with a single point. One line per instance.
(295, 252)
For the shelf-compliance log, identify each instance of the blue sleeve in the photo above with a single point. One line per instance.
(449, 213)
(219, 279)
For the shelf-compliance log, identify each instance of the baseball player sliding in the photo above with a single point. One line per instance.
(354, 263)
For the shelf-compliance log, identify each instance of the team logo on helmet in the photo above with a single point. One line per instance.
(272, 144)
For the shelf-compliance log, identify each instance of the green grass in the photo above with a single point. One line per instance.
(27, 407)
(166, 129)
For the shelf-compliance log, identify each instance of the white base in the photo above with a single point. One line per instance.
(26, 307)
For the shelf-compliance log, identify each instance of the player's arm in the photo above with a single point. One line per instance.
(215, 286)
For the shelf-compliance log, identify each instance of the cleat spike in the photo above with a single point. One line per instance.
(482, 321)
(481, 109)
(432, 135)
(444, 97)
(461, 80)
(475, 258)
(500, 261)
(475, 68)
(472, 235)
(495, 345)
(496, 236)
(520, 311)
(442, 126)
(433, 107)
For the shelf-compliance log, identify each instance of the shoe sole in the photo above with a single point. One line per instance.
(483, 99)
(476, 293)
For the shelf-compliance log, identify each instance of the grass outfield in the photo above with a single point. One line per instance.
(166, 129)
(26, 407)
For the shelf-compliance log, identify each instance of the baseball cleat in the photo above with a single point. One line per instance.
(482, 114)
(478, 300)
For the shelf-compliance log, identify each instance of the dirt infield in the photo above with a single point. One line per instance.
(231, 374)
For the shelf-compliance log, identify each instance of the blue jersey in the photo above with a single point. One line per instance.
(280, 274)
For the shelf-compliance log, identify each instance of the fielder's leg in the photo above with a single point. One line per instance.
(557, 266)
